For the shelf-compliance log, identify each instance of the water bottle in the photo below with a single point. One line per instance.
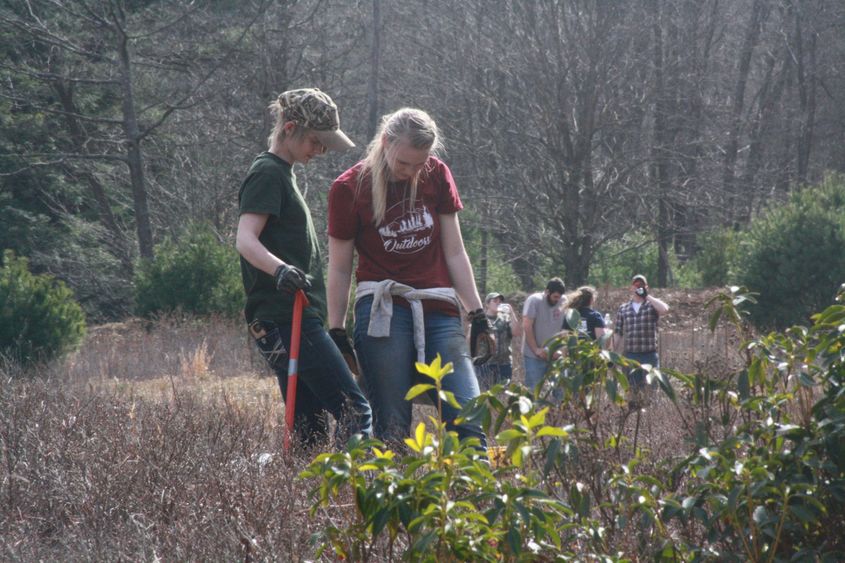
(608, 323)
(505, 312)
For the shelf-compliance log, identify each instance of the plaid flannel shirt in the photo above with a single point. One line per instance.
(638, 329)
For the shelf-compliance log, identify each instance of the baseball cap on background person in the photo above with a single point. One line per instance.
(494, 295)
(639, 277)
(315, 110)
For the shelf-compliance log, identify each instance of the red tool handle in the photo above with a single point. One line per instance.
(299, 303)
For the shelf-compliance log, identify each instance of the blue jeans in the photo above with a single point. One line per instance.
(636, 376)
(389, 369)
(534, 371)
(324, 384)
(490, 374)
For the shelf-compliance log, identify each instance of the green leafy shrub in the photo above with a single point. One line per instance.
(761, 476)
(196, 274)
(773, 487)
(39, 318)
(793, 256)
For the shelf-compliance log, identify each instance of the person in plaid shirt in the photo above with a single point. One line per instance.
(636, 328)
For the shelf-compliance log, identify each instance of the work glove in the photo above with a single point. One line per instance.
(642, 292)
(344, 344)
(482, 345)
(290, 278)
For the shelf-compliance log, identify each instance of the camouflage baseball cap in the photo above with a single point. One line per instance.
(314, 109)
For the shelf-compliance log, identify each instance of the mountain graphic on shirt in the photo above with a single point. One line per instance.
(412, 222)
(409, 233)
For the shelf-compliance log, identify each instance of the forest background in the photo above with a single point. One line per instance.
(589, 139)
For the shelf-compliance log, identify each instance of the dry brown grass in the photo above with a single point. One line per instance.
(151, 443)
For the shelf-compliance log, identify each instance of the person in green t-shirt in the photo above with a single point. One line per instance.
(280, 255)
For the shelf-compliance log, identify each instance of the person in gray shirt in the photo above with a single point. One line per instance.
(542, 318)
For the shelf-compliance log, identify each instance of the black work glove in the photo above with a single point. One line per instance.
(290, 278)
(642, 292)
(482, 345)
(341, 340)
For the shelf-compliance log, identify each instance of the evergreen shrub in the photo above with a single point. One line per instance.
(793, 256)
(39, 318)
(196, 274)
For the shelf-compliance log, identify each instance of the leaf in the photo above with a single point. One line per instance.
(538, 418)
(665, 384)
(418, 390)
(803, 513)
(573, 319)
(761, 515)
(623, 380)
(742, 385)
(714, 319)
(611, 386)
(420, 434)
(449, 397)
(508, 435)
(756, 372)
(552, 431)
(514, 540)
(435, 370)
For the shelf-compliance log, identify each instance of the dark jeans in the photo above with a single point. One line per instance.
(636, 377)
(389, 366)
(325, 384)
(490, 374)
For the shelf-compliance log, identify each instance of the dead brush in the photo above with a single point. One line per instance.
(93, 474)
(195, 363)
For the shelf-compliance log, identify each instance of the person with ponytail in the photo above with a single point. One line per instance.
(398, 209)
(280, 255)
(592, 324)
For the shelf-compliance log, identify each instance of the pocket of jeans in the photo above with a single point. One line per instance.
(269, 342)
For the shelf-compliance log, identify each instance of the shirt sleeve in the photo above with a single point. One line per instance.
(262, 193)
(530, 308)
(598, 319)
(448, 199)
(343, 219)
(620, 321)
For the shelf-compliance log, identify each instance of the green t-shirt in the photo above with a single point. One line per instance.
(270, 189)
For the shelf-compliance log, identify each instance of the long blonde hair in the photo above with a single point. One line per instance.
(421, 132)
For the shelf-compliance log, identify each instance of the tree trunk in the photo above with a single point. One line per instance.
(134, 155)
(482, 267)
(752, 35)
(375, 63)
(807, 93)
(659, 166)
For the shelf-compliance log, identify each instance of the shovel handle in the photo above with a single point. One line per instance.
(299, 303)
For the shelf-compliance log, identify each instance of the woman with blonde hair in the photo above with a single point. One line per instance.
(398, 209)
(280, 255)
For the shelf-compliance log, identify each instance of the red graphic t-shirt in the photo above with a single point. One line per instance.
(406, 246)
